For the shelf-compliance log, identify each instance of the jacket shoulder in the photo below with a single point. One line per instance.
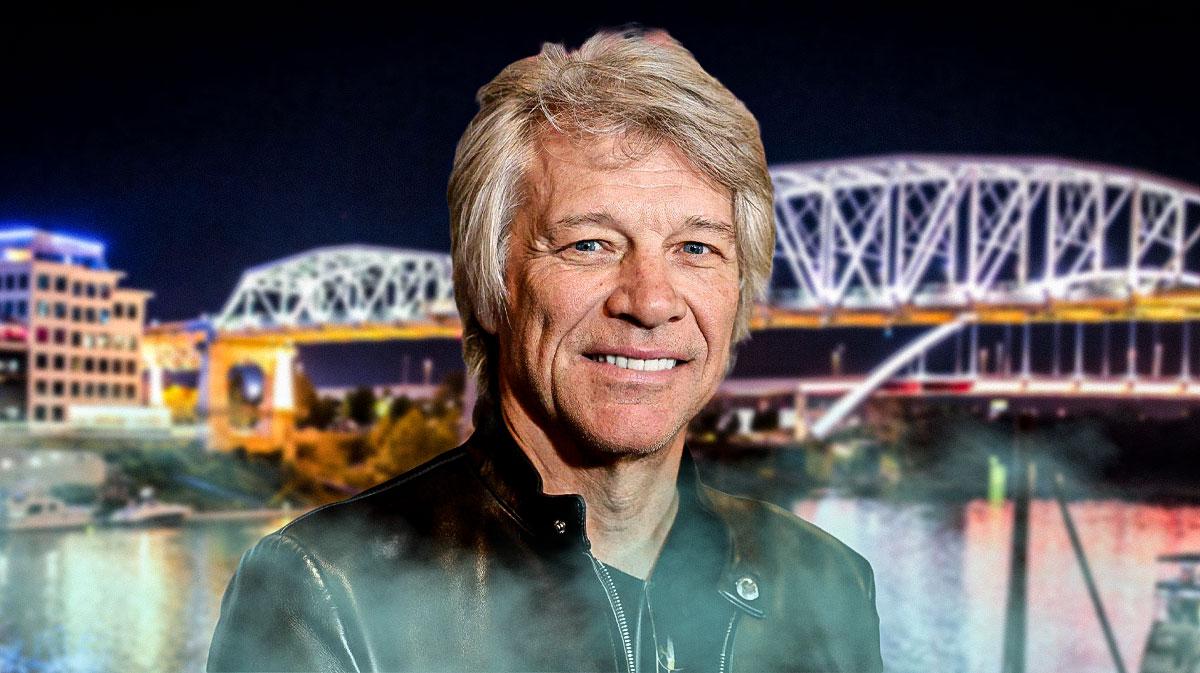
(827, 588)
(281, 612)
(772, 535)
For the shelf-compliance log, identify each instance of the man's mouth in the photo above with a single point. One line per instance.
(636, 364)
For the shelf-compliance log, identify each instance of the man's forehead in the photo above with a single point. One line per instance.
(557, 152)
(566, 169)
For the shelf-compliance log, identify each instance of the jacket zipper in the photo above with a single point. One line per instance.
(725, 649)
(614, 601)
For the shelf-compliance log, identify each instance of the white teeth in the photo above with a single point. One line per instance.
(654, 365)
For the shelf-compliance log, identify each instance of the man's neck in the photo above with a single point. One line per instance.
(631, 502)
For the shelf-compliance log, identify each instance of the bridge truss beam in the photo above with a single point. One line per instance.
(895, 233)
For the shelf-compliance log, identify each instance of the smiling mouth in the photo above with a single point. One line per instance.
(635, 364)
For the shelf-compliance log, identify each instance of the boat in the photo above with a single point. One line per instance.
(149, 511)
(40, 511)
(1173, 645)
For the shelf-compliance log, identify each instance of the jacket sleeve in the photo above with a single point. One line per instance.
(277, 614)
(872, 660)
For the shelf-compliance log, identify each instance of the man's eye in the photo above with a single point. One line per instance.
(697, 248)
(583, 246)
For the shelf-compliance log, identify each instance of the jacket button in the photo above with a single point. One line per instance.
(747, 588)
(560, 526)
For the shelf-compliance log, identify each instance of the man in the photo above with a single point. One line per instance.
(611, 217)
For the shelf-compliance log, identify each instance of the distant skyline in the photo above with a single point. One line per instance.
(197, 143)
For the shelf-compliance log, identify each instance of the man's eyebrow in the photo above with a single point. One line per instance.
(580, 220)
(718, 227)
(600, 217)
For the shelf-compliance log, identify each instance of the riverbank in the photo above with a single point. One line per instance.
(235, 515)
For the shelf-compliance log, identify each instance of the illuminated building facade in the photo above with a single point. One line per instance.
(70, 338)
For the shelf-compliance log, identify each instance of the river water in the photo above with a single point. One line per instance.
(147, 600)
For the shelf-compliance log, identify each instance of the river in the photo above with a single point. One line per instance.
(146, 601)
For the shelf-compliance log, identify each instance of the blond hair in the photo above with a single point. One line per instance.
(631, 83)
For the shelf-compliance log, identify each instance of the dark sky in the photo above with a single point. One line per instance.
(199, 142)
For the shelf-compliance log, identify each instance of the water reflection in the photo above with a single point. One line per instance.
(942, 573)
(112, 599)
(147, 600)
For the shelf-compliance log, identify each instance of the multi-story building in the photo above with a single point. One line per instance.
(70, 337)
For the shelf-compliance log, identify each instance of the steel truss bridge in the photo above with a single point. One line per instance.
(327, 295)
(957, 241)
(918, 239)
(949, 242)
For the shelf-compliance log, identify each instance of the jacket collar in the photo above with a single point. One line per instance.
(556, 523)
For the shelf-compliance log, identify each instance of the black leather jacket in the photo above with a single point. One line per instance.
(464, 564)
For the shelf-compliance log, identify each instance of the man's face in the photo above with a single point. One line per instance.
(635, 260)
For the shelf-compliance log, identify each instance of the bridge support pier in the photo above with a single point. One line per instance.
(275, 429)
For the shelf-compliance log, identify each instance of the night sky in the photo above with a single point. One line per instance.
(200, 142)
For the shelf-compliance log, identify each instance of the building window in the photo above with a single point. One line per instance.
(74, 389)
(118, 310)
(76, 339)
(59, 362)
(8, 310)
(60, 310)
(132, 343)
(102, 389)
(132, 311)
(130, 391)
(39, 413)
(102, 340)
(91, 289)
(22, 307)
(131, 367)
(23, 281)
(40, 361)
(43, 308)
(75, 362)
(39, 386)
(116, 366)
(60, 283)
(77, 288)
(89, 389)
(43, 283)
(90, 314)
(58, 388)
(41, 335)
(60, 336)
(105, 291)
(10, 281)
(103, 316)
(89, 365)
(56, 413)
(103, 366)
(76, 313)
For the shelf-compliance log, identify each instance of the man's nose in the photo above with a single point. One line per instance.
(645, 293)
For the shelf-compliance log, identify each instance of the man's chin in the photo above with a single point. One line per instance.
(612, 439)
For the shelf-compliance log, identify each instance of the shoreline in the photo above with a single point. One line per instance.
(225, 515)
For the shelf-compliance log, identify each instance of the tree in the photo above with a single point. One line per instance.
(414, 438)
(306, 400)
(360, 406)
(400, 406)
